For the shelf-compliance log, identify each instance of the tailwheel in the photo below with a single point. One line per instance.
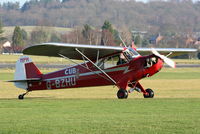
(150, 93)
(122, 94)
(21, 96)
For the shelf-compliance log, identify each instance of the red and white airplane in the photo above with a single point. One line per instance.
(123, 67)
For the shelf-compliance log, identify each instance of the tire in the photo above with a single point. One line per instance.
(21, 97)
(122, 94)
(150, 93)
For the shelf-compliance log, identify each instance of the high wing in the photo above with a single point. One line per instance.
(94, 51)
(165, 51)
(55, 49)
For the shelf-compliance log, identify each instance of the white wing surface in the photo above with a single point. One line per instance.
(68, 50)
(165, 51)
(93, 51)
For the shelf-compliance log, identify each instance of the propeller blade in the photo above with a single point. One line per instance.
(168, 61)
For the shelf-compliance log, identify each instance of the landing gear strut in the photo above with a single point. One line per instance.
(148, 93)
(21, 96)
(122, 94)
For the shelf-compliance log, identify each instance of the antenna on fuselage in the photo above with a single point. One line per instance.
(122, 41)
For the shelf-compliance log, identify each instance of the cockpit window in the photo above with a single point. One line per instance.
(130, 54)
(110, 61)
(133, 52)
(150, 62)
(124, 57)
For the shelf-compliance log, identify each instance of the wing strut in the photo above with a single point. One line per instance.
(97, 66)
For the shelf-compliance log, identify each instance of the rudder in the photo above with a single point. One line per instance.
(25, 69)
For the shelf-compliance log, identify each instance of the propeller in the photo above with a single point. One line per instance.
(168, 61)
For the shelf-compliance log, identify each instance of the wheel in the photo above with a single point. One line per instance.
(122, 94)
(21, 97)
(150, 93)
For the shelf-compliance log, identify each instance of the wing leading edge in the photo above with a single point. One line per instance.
(68, 50)
(165, 51)
(92, 51)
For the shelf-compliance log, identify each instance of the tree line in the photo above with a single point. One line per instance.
(87, 34)
(171, 17)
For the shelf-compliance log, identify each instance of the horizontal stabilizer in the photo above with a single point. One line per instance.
(25, 80)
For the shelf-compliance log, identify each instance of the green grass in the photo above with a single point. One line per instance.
(96, 110)
(178, 73)
(8, 31)
(187, 61)
(36, 59)
(97, 116)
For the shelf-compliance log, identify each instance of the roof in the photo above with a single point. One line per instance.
(7, 44)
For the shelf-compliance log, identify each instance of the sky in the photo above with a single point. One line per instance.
(23, 1)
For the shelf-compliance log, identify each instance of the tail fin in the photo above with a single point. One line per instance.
(25, 70)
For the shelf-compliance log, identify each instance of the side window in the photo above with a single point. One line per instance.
(128, 56)
(111, 61)
(121, 59)
(100, 63)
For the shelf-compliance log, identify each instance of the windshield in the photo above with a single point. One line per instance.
(130, 54)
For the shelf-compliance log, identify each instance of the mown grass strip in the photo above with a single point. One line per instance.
(95, 116)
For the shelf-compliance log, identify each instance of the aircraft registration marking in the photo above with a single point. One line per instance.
(61, 83)
(77, 74)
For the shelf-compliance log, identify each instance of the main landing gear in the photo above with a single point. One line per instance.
(123, 94)
(21, 96)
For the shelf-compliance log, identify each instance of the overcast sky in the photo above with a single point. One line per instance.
(23, 1)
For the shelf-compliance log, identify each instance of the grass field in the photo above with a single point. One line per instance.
(99, 116)
(8, 31)
(36, 59)
(175, 108)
